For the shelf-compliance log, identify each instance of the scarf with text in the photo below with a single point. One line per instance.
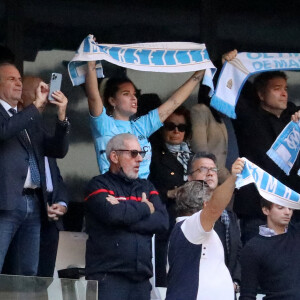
(285, 149)
(236, 72)
(268, 186)
(168, 57)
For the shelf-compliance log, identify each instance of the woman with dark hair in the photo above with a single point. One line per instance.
(121, 102)
(168, 170)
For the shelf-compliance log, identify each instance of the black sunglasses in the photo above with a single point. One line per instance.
(170, 126)
(134, 153)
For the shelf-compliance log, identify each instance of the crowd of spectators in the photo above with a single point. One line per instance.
(178, 187)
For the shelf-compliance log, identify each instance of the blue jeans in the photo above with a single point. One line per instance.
(116, 287)
(20, 237)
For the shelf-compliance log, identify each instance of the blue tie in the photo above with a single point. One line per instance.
(34, 170)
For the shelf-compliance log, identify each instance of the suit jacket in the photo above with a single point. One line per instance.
(60, 193)
(233, 259)
(14, 157)
(50, 229)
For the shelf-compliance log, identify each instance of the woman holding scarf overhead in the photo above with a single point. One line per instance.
(120, 102)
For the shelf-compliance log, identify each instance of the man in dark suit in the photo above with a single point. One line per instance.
(50, 227)
(57, 198)
(23, 146)
(203, 167)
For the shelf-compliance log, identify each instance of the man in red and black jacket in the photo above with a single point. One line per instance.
(122, 214)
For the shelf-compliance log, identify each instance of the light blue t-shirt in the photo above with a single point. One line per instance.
(105, 127)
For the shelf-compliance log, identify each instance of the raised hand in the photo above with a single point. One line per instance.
(41, 95)
(237, 166)
(61, 101)
(229, 55)
(296, 116)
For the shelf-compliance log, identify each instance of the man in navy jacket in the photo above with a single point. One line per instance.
(122, 214)
(23, 145)
(57, 197)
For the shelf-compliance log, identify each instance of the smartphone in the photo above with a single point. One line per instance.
(55, 84)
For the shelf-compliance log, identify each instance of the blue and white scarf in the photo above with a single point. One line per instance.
(268, 186)
(236, 72)
(168, 57)
(285, 149)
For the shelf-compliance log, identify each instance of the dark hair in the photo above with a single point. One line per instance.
(111, 88)
(6, 55)
(265, 203)
(260, 82)
(6, 63)
(182, 111)
(200, 155)
(148, 102)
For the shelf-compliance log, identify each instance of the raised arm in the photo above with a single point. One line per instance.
(221, 196)
(91, 85)
(180, 95)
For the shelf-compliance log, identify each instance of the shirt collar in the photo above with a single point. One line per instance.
(264, 230)
(179, 219)
(6, 106)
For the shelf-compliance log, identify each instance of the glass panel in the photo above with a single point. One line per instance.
(42, 288)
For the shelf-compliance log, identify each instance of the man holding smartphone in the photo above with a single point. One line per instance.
(23, 145)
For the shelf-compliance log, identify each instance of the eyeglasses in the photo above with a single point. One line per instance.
(134, 153)
(170, 126)
(205, 170)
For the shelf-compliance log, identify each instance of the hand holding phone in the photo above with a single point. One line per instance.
(55, 84)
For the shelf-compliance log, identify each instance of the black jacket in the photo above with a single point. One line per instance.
(166, 173)
(256, 131)
(120, 235)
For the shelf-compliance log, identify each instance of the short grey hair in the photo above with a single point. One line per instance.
(117, 142)
(200, 155)
(191, 196)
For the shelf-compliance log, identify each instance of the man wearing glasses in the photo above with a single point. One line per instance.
(122, 214)
(202, 166)
(196, 255)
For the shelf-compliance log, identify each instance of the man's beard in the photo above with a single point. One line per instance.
(127, 176)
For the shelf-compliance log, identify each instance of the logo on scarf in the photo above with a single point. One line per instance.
(293, 139)
(229, 84)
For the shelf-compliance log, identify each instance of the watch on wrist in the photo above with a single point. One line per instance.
(64, 122)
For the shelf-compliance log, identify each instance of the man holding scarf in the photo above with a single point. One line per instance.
(257, 126)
